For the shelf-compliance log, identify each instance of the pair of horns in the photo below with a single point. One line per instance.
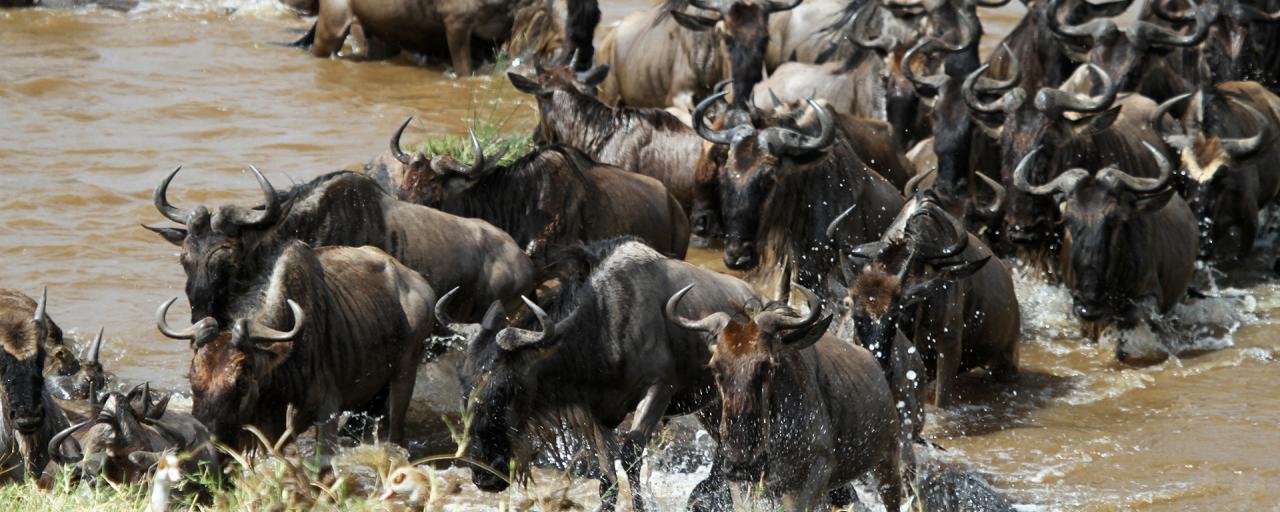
(769, 321)
(1069, 180)
(509, 338)
(441, 165)
(243, 217)
(243, 331)
(775, 139)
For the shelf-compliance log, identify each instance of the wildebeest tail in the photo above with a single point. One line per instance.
(306, 40)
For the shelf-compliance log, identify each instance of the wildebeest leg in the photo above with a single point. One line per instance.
(583, 17)
(644, 422)
(815, 488)
(332, 27)
(398, 398)
(458, 33)
(948, 370)
(601, 439)
(889, 479)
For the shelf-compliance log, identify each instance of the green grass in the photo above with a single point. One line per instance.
(499, 125)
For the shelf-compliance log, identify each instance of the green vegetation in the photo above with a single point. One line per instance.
(499, 124)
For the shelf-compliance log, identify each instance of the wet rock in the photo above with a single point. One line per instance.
(952, 490)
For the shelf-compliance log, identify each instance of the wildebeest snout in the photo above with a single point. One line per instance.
(741, 255)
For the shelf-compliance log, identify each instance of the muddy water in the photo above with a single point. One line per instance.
(95, 106)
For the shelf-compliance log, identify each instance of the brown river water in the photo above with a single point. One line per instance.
(96, 105)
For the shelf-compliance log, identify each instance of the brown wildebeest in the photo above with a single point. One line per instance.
(801, 411)
(1133, 242)
(653, 62)
(28, 416)
(1226, 138)
(370, 318)
(553, 196)
(648, 141)
(965, 311)
(605, 352)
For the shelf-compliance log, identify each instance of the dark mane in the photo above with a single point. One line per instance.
(597, 124)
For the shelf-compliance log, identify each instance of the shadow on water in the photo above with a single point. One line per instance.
(986, 408)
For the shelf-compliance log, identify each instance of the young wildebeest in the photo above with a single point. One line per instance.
(68, 378)
(370, 318)
(931, 278)
(28, 415)
(1133, 242)
(553, 196)
(124, 436)
(1230, 160)
(801, 410)
(780, 187)
(605, 352)
(225, 251)
(649, 141)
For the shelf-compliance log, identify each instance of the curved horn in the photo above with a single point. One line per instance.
(835, 223)
(960, 236)
(998, 106)
(773, 7)
(992, 4)
(774, 322)
(442, 307)
(96, 348)
(55, 444)
(161, 200)
(997, 201)
(858, 29)
(926, 86)
(1063, 183)
(248, 218)
(1051, 100)
(1161, 9)
(511, 338)
(259, 333)
(1179, 141)
(479, 165)
(993, 86)
(395, 142)
(1243, 147)
(780, 140)
(711, 323)
(186, 334)
(1092, 29)
(39, 317)
(699, 123)
(913, 183)
(1162, 36)
(1142, 185)
(1249, 13)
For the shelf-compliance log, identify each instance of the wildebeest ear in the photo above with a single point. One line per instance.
(592, 77)
(692, 21)
(1154, 202)
(963, 269)
(525, 84)
(801, 339)
(174, 236)
(921, 291)
(1095, 124)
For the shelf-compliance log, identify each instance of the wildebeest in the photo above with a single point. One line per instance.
(70, 378)
(1242, 43)
(1226, 138)
(1044, 59)
(651, 142)
(802, 411)
(605, 352)
(554, 195)
(124, 436)
(742, 33)
(1133, 241)
(1076, 131)
(223, 252)
(783, 183)
(653, 62)
(357, 323)
(931, 278)
(28, 415)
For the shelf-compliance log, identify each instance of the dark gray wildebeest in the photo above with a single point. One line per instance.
(785, 180)
(1226, 139)
(604, 352)
(325, 330)
(553, 196)
(28, 416)
(929, 277)
(801, 411)
(648, 141)
(1044, 58)
(124, 436)
(1076, 130)
(1242, 43)
(226, 250)
(70, 378)
(1133, 243)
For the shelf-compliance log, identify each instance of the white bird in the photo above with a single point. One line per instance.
(411, 483)
(167, 475)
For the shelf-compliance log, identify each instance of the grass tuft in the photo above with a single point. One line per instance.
(499, 124)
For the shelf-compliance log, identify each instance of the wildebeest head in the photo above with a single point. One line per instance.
(429, 180)
(548, 80)
(214, 249)
(920, 256)
(1226, 54)
(1030, 219)
(120, 438)
(23, 330)
(742, 26)
(1217, 168)
(229, 367)
(1097, 208)
(744, 356)
(757, 160)
(498, 380)
(71, 377)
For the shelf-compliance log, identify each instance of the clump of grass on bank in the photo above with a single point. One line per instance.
(499, 125)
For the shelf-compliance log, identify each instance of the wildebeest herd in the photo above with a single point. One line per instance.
(858, 154)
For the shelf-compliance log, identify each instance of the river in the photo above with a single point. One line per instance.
(96, 106)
